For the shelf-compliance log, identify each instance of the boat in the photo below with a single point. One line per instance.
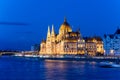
(109, 65)
(18, 55)
(27, 55)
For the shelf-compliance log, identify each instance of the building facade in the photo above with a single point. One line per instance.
(66, 42)
(112, 43)
(94, 46)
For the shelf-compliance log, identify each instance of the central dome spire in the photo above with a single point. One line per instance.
(65, 20)
(65, 27)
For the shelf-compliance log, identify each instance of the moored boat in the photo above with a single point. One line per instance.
(18, 55)
(109, 65)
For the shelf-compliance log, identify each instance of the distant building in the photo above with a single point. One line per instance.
(112, 43)
(66, 42)
(35, 47)
(94, 46)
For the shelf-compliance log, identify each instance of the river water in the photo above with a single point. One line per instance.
(20, 68)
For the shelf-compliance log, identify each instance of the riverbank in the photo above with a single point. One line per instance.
(75, 58)
(98, 59)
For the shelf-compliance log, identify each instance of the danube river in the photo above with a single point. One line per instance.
(20, 68)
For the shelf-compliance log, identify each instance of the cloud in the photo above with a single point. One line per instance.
(14, 23)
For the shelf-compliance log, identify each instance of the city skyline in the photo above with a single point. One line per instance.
(24, 23)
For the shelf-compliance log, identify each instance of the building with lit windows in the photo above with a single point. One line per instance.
(94, 46)
(112, 43)
(66, 42)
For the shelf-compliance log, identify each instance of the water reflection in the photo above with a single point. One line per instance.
(60, 69)
(13, 68)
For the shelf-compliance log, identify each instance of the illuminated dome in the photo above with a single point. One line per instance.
(65, 27)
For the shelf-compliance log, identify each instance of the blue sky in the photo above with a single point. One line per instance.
(24, 22)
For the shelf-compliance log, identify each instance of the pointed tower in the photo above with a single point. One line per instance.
(53, 34)
(48, 34)
(65, 20)
(80, 36)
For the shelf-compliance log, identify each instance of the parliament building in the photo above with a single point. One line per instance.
(65, 42)
(70, 42)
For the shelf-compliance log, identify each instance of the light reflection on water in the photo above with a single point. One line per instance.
(15, 68)
(60, 69)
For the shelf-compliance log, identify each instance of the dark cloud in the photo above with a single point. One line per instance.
(14, 23)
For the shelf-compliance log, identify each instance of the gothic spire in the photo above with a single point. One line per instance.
(53, 32)
(48, 33)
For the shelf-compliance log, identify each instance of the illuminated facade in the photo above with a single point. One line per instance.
(66, 42)
(94, 46)
(112, 43)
